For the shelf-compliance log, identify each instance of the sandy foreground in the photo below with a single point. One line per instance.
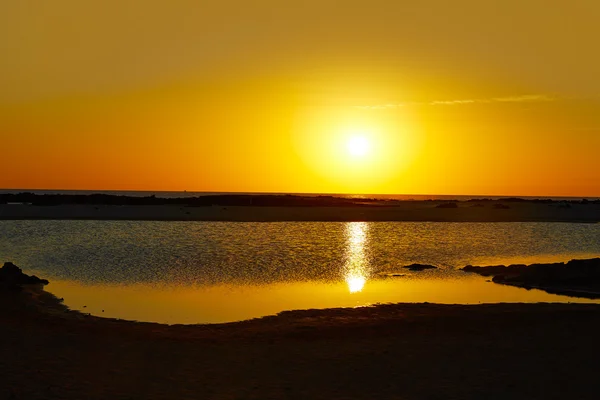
(403, 211)
(404, 351)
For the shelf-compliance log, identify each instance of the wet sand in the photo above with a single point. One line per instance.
(404, 351)
(490, 211)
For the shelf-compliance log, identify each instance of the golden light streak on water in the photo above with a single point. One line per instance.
(357, 264)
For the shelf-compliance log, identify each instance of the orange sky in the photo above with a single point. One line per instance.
(461, 97)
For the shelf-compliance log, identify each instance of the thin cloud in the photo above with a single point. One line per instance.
(529, 98)
(455, 102)
(525, 98)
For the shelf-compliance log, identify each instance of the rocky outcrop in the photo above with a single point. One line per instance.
(12, 276)
(419, 267)
(579, 278)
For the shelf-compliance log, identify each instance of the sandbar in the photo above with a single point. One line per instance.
(400, 211)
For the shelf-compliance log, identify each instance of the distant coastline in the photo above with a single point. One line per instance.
(288, 207)
(191, 194)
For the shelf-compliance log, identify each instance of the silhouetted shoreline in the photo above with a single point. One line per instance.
(293, 208)
(254, 200)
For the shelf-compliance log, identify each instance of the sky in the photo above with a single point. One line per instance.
(443, 97)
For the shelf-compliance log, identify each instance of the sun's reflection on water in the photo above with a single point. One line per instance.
(356, 269)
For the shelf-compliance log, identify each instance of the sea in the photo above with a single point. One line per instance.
(197, 272)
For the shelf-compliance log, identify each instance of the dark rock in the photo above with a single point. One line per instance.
(419, 267)
(11, 275)
(579, 278)
(501, 206)
(392, 275)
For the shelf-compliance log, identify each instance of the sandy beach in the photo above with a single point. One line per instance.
(493, 211)
(404, 351)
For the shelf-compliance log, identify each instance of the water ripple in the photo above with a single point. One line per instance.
(208, 253)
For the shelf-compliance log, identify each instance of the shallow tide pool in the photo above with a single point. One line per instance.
(204, 272)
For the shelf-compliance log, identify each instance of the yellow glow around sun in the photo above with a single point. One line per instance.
(358, 146)
(356, 152)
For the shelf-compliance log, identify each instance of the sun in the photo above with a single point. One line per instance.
(358, 146)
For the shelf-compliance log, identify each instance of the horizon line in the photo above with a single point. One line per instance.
(22, 190)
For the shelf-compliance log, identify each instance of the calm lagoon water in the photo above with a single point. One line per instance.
(198, 272)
